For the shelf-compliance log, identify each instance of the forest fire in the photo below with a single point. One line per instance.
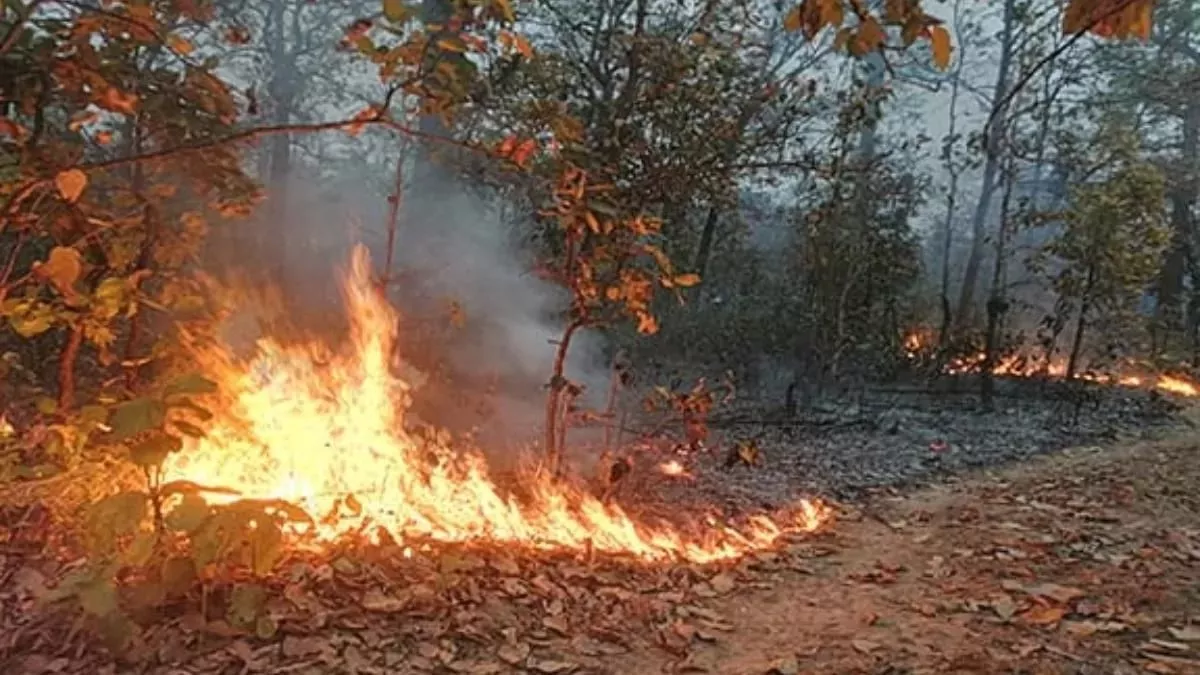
(325, 432)
(1020, 365)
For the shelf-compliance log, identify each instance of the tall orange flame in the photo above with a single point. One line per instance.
(325, 432)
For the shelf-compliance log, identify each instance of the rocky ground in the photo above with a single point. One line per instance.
(960, 544)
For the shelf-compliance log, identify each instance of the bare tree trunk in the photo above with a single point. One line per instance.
(997, 304)
(1182, 198)
(558, 383)
(991, 167)
(1085, 305)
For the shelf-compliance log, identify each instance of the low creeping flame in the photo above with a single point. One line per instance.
(1022, 366)
(325, 431)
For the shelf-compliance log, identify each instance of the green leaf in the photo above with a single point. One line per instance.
(111, 294)
(191, 512)
(153, 451)
(114, 517)
(192, 383)
(46, 405)
(141, 549)
(99, 598)
(178, 575)
(246, 604)
(32, 321)
(93, 414)
(266, 542)
(133, 417)
(395, 10)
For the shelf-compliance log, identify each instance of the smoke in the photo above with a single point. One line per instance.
(454, 252)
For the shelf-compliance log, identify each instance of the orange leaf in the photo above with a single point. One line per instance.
(1044, 615)
(794, 20)
(70, 183)
(939, 42)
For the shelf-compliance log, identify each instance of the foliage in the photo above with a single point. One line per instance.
(1113, 234)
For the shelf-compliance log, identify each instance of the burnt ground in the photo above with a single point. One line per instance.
(961, 544)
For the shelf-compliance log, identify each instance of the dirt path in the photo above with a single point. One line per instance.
(1084, 562)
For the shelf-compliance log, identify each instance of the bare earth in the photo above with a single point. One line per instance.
(1081, 562)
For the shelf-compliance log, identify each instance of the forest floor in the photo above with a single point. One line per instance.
(1081, 561)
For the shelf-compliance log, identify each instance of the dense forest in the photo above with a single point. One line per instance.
(473, 270)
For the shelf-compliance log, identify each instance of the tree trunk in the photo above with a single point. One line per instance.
(558, 383)
(991, 166)
(1085, 306)
(1182, 197)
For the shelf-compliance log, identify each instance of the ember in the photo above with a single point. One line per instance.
(327, 434)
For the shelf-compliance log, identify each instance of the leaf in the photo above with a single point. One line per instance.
(32, 321)
(246, 603)
(1186, 633)
(377, 601)
(939, 43)
(514, 654)
(111, 294)
(395, 10)
(99, 598)
(70, 184)
(189, 514)
(46, 405)
(180, 44)
(870, 37)
(267, 546)
(62, 268)
(192, 383)
(113, 518)
(550, 666)
(1044, 615)
(133, 417)
(794, 20)
(178, 575)
(865, 646)
(1063, 594)
(153, 451)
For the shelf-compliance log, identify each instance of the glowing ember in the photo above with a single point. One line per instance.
(674, 469)
(325, 432)
(1019, 365)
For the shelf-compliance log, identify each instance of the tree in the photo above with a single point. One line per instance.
(1113, 235)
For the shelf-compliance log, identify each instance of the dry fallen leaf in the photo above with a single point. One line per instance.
(1044, 615)
(785, 666)
(514, 654)
(550, 666)
(1185, 633)
(864, 646)
(377, 601)
(722, 583)
(1063, 594)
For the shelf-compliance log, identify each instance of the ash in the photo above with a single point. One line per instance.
(887, 439)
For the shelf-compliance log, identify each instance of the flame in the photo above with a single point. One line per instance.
(324, 431)
(1021, 365)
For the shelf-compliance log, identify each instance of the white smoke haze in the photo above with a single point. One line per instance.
(450, 246)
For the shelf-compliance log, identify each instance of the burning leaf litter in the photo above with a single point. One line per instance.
(1024, 366)
(325, 432)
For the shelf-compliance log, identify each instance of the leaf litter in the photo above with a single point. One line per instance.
(983, 573)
